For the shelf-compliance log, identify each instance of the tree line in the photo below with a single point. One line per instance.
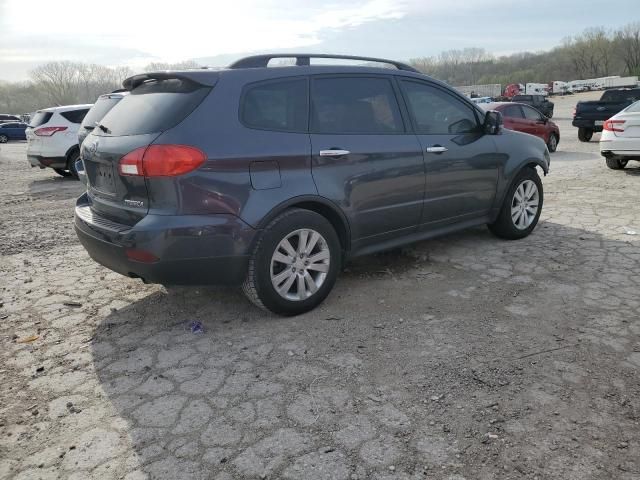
(594, 53)
(68, 83)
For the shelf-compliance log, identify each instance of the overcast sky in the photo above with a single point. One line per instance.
(136, 32)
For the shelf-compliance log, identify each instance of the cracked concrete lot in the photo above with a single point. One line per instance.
(465, 357)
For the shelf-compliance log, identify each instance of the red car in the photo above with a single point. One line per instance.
(524, 118)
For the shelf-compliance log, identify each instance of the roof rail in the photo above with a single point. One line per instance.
(304, 59)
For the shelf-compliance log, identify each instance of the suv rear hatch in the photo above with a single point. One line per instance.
(40, 118)
(157, 102)
(97, 112)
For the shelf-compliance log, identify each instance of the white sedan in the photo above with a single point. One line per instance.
(620, 140)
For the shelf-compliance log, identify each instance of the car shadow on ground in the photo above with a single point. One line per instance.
(404, 365)
(572, 156)
(64, 186)
(632, 168)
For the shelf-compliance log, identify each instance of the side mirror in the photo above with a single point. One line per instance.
(493, 122)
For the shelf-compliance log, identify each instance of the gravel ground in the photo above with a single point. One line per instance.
(465, 357)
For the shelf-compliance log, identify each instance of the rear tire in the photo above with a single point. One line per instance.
(521, 207)
(71, 163)
(295, 282)
(552, 144)
(615, 163)
(4, 139)
(584, 134)
(62, 172)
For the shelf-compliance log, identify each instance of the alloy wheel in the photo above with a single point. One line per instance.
(525, 204)
(299, 264)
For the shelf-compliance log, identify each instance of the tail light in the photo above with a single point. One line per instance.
(142, 256)
(613, 125)
(161, 161)
(574, 111)
(48, 131)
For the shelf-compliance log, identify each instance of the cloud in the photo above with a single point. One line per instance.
(196, 28)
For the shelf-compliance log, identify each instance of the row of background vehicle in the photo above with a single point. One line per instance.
(557, 87)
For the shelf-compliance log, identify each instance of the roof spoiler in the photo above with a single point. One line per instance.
(304, 59)
(196, 76)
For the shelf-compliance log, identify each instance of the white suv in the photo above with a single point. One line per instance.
(52, 138)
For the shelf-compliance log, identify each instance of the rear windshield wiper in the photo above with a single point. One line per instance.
(103, 128)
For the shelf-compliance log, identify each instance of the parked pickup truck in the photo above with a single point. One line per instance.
(590, 116)
(539, 102)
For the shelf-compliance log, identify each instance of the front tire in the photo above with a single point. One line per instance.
(616, 163)
(294, 264)
(4, 139)
(552, 144)
(521, 207)
(584, 134)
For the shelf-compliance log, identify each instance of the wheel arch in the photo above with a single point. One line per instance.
(511, 175)
(320, 205)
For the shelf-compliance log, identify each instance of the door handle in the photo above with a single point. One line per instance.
(437, 149)
(334, 152)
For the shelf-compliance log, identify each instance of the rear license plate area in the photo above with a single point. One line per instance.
(599, 123)
(104, 180)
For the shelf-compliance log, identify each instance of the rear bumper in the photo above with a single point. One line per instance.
(614, 146)
(43, 162)
(590, 124)
(190, 249)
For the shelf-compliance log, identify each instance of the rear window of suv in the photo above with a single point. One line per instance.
(100, 109)
(75, 116)
(153, 107)
(40, 118)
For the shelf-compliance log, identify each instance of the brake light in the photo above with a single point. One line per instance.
(140, 255)
(48, 131)
(613, 125)
(161, 161)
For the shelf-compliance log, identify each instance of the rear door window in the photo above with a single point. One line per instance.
(436, 112)
(354, 105)
(513, 111)
(279, 105)
(75, 116)
(40, 118)
(531, 113)
(152, 107)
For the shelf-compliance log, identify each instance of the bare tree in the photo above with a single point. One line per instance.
(185, 65)
(59, 81)
(627, 47)
(65, 83)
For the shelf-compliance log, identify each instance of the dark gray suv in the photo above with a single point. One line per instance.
(274, 177)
